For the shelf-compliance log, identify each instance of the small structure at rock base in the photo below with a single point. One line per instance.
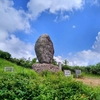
(44, 66)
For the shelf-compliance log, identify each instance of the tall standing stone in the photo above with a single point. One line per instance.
(44, 49)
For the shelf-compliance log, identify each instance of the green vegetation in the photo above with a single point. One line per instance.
(93, 69)
(5, 55)
(22, 61)
(17, 69)
(27, 63)
(25, 84)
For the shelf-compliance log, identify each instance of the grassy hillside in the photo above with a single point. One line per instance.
(25, 84)
(17, 69)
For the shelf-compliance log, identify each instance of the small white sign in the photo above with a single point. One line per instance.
(67, 72)
(9, 69)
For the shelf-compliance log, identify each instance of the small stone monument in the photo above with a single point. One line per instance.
(77, 72)
(44, 51)
(60, 66)
(67, 72)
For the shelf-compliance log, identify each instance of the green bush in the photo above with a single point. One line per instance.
(49, 86)
(5, 55)
(93, 69)
(66, 67)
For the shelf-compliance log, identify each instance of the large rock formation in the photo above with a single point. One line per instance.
(44, 49)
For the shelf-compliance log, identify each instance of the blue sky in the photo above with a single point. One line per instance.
(73, 25)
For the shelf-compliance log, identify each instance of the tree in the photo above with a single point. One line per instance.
(5, 55)
(54, 62)
(65, 62)
(34, 60)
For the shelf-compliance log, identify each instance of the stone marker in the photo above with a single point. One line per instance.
(44, 49)
(9, 69)
(67, 72)
(77, 72)
(60, 66)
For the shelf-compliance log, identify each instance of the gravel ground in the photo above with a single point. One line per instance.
(90, 81)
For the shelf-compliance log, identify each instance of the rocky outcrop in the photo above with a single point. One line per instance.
(44, 49)
(42, 67)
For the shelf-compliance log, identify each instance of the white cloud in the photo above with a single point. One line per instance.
(74, 26)
(84, 58)
(96, 45)
(3, 35)
(15, 46)
(12, 19)
(93, 2)
(65, 5)
(36, 7)
(59, 59)
(61, 18)
(87, 57)
(65, 17)
(56, 19)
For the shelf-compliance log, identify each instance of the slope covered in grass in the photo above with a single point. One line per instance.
(17, 69)
(28, 85)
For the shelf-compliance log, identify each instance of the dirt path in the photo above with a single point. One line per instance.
(90, 81)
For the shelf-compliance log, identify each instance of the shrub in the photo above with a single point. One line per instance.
(93, 69)
(5, 55)
(50, 86)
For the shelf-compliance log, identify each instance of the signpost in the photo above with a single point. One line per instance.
(67, 72)
(77, 72)
(8, 69)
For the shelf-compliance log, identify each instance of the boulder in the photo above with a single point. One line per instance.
(44, 49)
